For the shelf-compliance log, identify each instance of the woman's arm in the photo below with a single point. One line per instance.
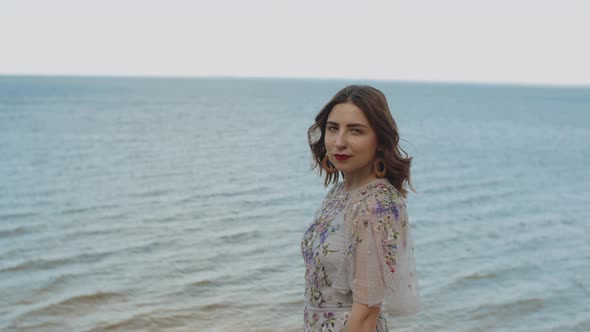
(362, 318)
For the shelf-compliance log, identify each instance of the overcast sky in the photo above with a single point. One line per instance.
(516, 41)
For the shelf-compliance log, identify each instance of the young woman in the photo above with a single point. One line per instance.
(358, 251)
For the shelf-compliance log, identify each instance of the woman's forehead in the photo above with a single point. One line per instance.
(347, 114)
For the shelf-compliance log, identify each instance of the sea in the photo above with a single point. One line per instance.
(179, 204)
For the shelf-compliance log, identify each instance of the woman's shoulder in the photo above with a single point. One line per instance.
(379, 200)
(334, 190)
(379, 191)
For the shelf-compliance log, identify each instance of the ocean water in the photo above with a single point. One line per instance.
(135, 204)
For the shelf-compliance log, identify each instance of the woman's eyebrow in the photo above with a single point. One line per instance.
(348, 125)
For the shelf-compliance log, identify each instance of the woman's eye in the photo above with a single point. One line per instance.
(332, 128)
(355, 131)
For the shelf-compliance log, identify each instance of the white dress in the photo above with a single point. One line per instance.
(358, 249)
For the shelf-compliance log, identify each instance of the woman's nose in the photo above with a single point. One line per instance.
(340, 139)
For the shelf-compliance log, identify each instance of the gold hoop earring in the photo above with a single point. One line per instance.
(379, 167)
(328, 166)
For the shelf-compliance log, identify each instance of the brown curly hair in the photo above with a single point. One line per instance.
(373, 104)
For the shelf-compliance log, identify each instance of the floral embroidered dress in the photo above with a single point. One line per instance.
(358, 249)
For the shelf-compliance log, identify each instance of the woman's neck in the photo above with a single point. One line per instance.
(354, 182)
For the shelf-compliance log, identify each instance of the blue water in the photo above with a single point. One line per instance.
(135, 204)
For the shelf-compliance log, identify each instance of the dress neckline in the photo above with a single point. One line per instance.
(365, 186)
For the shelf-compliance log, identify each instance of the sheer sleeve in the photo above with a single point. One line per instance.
(379, 266)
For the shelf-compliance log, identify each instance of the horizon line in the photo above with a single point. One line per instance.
(277, 77)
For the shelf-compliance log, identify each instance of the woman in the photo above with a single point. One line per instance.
(358, 251)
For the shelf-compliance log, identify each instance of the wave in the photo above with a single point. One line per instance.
(94, 298)
(87, 258)
(476, 198)
(6, 233)
(204, 282)
(479, 276)
(46, 264)
(484, 274)
(38, 264)
(300, 301)
(580, 284)
(51, 315)
(152, 321)
(512, 308)
(454, 186)
(214, 306)
(49, 288)
(161, 175)
(239, 236)
(233, 192)
(87, 209)
(41, 326)
(90, 233)
(583, 325)
(17, 215)
(76, 304)
(152, 193)
(161, 220)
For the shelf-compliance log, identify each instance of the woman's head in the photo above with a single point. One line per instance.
(359, 105)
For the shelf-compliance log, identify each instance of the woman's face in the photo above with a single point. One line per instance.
(350, 141)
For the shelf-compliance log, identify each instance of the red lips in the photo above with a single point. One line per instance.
(341, 156)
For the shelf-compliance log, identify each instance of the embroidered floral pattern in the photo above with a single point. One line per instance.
(320, 229)
(383, 209)
(340, 225)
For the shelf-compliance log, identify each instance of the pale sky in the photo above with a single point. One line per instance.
(498, 41)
